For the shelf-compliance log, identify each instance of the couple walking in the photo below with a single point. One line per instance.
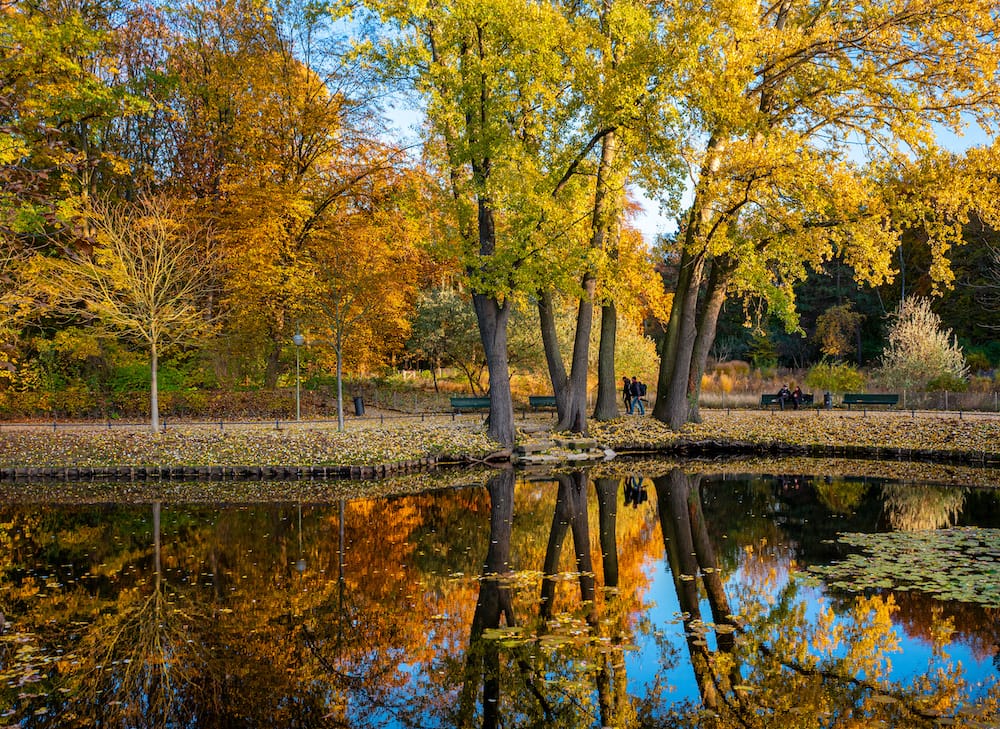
(633, 393)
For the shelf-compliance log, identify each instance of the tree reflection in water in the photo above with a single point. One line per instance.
(468, 608)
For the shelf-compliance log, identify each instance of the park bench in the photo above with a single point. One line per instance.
(459, 404)
(541, 401)
(864, 398)
(767, 400)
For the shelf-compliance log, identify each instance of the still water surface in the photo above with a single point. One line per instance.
(643, 597)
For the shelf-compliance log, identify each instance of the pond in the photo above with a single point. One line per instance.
(640, 594)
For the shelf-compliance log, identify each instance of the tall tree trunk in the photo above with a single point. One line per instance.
(715, 297)
(575, 417)
(154, 389)
(572, 407)
(493, 316)
(607, 380)
(553, 357)
(340, 383)
(672, 405)
(607, 212)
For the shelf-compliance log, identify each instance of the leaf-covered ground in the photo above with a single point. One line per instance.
(972, 434)
(372, 443)
(246, 446)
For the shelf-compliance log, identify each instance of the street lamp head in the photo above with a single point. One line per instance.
(298, 339)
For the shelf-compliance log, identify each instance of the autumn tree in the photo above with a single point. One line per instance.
(360, 285)
(629, 123)
(274, 136)
(489, 77)
(836, 329)
(59, 99)
(144, 278)
(779, 99)
(444, 332)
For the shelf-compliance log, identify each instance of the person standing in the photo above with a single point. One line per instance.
(638, 390)
(627, 393)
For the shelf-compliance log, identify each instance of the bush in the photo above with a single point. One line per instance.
(763, 353)
(947, 383)
(75, 400)
(977, 362)
(919, 351)
(981, 384)
(135, 376)
(835, 377)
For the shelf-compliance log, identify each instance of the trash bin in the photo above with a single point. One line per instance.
(359, 406)
(827, 401)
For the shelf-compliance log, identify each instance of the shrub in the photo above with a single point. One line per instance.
(981, 384)
(918, 350)
(836, 329)
(977, 362)
(947, 383)
(835, 377)
(763, 353)
(735, 368)
(74, 400)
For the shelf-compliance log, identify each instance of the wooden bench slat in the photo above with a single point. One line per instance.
(542, 401)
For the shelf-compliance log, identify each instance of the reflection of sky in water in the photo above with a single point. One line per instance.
(643, 664)
(914, 659)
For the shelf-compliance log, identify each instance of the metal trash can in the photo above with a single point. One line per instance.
(827, 401)
(359, 406)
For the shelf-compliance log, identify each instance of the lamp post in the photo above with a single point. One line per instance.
(299, 341)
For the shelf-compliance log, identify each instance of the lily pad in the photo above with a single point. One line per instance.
(952, 564)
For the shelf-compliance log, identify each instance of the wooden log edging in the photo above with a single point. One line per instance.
(216, 472)
(711, 448)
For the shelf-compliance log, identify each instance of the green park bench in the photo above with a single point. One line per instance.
(767, 400)
(541, 401)
(459, 404)
(865, 399)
